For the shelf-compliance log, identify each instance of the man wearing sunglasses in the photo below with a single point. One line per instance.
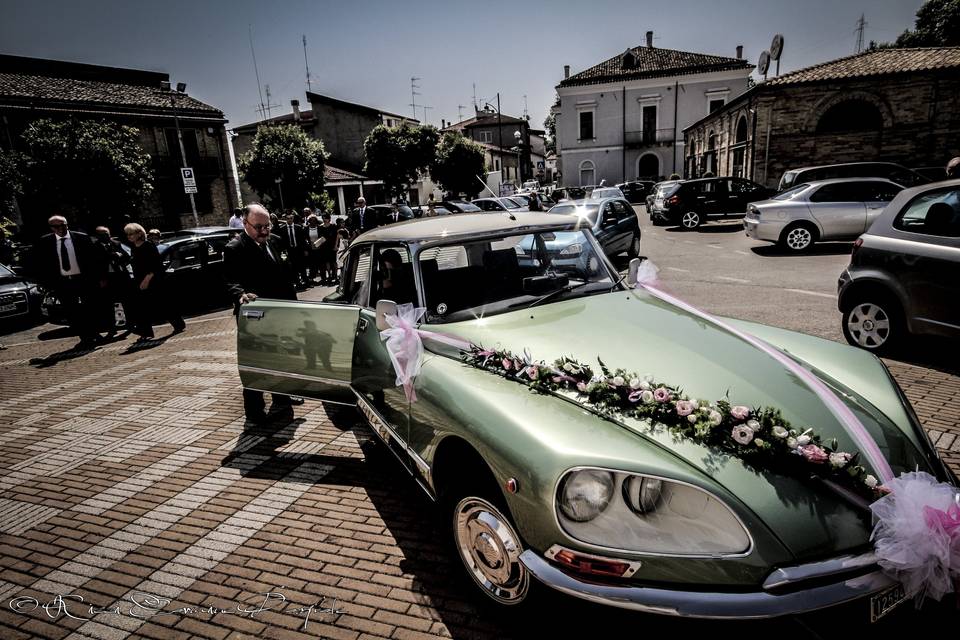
(71, 266)
(254, 267)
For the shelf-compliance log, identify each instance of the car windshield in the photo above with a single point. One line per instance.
(4, 272)
(790, 194)
(466, 206)
(666, 188)
(478, 278)
(508, 203)
(598, 194)
(787, 180)
(589, 211)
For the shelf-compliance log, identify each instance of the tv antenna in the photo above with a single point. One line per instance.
(263, 108)
(460, 109)
(425, 107)
(413, 95)
(526, 116)
(861, 24)
(306, 64)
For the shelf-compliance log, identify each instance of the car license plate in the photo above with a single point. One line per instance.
(658, 203)
(886, 601)
(7, 307)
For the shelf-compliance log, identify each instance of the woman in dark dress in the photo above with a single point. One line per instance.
(149, 286)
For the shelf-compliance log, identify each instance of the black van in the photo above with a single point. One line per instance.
(893, 172)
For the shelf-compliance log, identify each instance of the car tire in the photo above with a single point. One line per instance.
(874, 322)
(691, 220)
(634, 249)
(798, 237)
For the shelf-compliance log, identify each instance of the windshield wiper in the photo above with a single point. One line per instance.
(556, 292)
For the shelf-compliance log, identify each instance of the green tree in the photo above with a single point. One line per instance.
(12, 166)
(550, 124)
(458, 164)
(93, 170)
(937, 25)
(284, 151)
(397, 155)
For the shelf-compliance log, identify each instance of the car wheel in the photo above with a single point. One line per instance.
(634, 250)
(874, 323)
(490, 549)
(798, 237)
(691, 220)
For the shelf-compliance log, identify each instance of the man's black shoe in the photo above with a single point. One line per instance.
(296, 400)
(256, 418)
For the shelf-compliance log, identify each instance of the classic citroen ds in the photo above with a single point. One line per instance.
(544, 489)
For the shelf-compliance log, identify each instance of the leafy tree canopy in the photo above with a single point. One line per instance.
(458, 164)
(95, 170)
(397, 155)
(12, 165)
(285, 152)
(937, 25)
(550, 124)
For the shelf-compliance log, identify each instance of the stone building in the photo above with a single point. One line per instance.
(894, 105)
(496, 133)
(34, 88)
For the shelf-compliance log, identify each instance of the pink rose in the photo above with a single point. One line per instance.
(581, 387)
(531, 372)
(814, 454)
(685, 407)
(661, 394)
(742, 434)
(507, 363)
(740, 412)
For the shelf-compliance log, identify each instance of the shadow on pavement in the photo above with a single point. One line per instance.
(932, 352)
(819, 249)
(76, 351)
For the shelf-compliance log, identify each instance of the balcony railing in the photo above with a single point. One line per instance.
(649, 137)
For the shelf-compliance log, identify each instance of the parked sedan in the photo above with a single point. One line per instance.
(612, 221)
(499, 205)
(554, 470)
(461, 206)
(384, 212)
(689, 203)
(19, 298)
(657, 193)
(839, 209)
(605, 192)
(903, 273)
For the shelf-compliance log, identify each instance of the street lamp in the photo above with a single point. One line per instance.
(518, 136)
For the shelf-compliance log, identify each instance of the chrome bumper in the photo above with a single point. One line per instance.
(739, 605)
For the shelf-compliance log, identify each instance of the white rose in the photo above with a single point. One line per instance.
(780, 432)
(753, 424)
(646, 396)
(692, 417)
(715, 417)
(644, 384)
(792, 442)
(568, 367)
(803, 440)
(635, 383)
(617, 381)
(870, 481)
(839, 459)
(758, 442)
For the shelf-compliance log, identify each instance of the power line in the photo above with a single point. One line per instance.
(861, 24)
(413, 95)
(306, 64)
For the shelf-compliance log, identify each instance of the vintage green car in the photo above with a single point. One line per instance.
(542, 489)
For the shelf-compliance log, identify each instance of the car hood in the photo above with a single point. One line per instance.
(11, 284)
(641, 333)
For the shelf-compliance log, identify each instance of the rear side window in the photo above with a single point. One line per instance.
(879, 191)
(839, 192)
(936, 213)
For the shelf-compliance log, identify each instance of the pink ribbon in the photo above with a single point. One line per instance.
(842, 412)
(948, 521)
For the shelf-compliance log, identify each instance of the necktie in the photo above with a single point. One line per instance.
(64, 256)
(266, 252)
(293, 237)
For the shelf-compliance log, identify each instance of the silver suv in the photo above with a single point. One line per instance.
(904, 273)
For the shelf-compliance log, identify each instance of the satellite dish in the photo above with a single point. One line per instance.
(776, 47)
(764, 64)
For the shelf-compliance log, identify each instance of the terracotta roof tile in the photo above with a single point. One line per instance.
(333, 174)
(875, 63)
(653, 62)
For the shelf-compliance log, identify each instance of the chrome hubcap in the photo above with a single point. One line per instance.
(490, 550)
(799, 238)
(869, 325)
(690, 220)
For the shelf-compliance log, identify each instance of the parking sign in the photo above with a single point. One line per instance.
(189, 181)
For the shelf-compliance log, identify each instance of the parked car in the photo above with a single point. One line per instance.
(530, 185)
(540, 491)
(612, 220)
(903, 272)
(839, 209)
(606, 192)
(889, 170)
(461, 206)
(196, 231)
(500, 204)
(636, 191)
(689, 203)
(524, 198)
(384, 211)
(656, 192)
(568, 193)
(438, 208)
(932, 174)
(19, 297)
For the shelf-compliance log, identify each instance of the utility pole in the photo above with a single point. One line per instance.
(460, 113)
(425, 107)
(474, 97)
(256, 71)
(861, 23)
(500, 132)
(525, 114)
(305, 63)
(413, 95)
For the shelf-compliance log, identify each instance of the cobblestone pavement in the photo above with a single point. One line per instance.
(127, 479)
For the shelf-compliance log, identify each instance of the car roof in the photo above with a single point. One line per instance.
(846, 164)
(842, 180)
(465, 224)
(896, 205)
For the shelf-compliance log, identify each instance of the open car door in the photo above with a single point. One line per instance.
(298, 348)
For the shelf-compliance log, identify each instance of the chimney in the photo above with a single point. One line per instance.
(443, 123)
(650, 39)
(566, 71)
(739, 52)
(296, 110)
(165, 85)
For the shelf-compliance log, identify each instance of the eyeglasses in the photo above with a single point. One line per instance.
(57, 226)
(260, 227)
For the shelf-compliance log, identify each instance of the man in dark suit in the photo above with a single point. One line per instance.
(293, 240)
(362, 218)
(253, 267)
(73, 267)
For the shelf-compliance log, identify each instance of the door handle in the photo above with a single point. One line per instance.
(362, 325)
(253, 314)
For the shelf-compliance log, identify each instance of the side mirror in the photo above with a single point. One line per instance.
(385, 308)
(632, 271)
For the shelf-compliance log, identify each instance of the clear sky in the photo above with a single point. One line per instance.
(367, 50)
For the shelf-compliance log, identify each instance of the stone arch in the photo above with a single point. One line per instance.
(740, 134)
(832, 100)
(588, 173)
(648, 166)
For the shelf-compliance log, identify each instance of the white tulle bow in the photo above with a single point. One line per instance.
(647, 273)
(917, 534)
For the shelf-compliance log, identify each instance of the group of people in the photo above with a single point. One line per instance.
(89, 276)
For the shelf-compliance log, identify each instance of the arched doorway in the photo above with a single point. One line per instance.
(648, 167)
(587, 173)
(739, 149)
(850, 116)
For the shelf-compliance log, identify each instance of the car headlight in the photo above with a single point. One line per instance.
(585, 494)
(647, 515)
(571, 250)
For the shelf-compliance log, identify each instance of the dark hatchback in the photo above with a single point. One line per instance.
(636, 191)
(689, 203)
(384, 213)
(904, 273)
(612, 220)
